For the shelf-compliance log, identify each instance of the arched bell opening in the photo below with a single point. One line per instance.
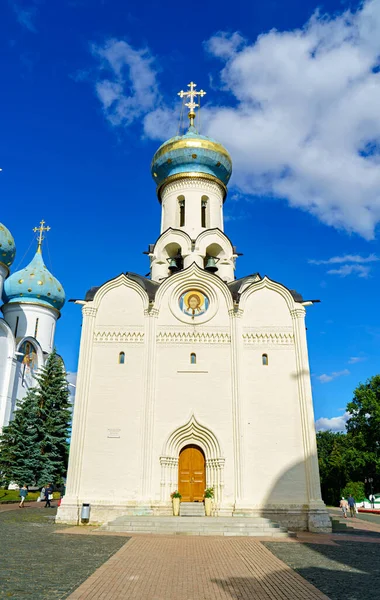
(174, 258)
(214, 253)
(192, 473)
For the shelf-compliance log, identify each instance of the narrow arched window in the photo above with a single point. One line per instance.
(36, 329)
(193, 358)
(121, 358)
(203, 211)
(16, 326)
(264, 359)
(181, 204)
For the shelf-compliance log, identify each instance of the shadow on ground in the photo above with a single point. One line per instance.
(347, 570)
(36, 563)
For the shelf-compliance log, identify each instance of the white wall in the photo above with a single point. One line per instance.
(3, 275)
(23, 379)
(111, 447)
(27, 316)
(7, 350)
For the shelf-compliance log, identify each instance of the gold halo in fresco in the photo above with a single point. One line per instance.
(193, 303)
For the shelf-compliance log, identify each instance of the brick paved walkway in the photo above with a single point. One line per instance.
(15, 506)
(193, 568)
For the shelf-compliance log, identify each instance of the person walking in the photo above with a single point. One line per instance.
(351, 504)
(23, 495)
(48, 495)
(344, 506)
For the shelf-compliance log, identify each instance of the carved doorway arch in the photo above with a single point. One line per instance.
(192, 433)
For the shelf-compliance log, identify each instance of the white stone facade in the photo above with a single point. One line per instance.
(245, 400)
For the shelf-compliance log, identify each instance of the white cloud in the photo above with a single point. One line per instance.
(349, 269)
(129, 90)
(356, 265)
(327, 378)
(334, 424)
(25, 16)
(161, 123)
(306, 126)
(356, 359)
(224, 44)
(305, 120)
(347, 258)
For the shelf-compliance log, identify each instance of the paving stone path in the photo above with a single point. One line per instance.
(37, 563)
(193, 568)
(48, 561)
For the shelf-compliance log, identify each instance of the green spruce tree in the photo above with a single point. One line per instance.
(19, 453)
(34, 446)
(54, 417)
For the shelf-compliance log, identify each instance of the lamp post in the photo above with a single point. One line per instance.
(370, 481)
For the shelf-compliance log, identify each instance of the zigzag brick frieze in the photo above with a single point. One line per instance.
(135, 337)
(189, 337)
(279, 338)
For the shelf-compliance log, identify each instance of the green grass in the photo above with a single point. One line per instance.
(8, 496)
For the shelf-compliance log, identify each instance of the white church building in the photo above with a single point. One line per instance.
(32, 300)
(192, 378)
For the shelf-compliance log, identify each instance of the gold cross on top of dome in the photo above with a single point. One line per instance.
(192, 95)
(40, 236)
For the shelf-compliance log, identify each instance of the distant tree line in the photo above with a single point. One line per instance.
(34, 447)
(348, 460)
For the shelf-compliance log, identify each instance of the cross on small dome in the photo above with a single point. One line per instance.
(192, 94)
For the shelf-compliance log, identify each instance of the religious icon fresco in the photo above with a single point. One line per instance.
(28, 359)
(193, 303)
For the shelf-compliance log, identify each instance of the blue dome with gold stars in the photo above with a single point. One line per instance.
(191, 154)
(7, 247)
(34, 284)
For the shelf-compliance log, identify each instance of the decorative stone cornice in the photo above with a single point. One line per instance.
(193, 181)
(190, 337)
(151, 312)
(134, 337)
(89, 311)
(279, 338)
(298, 313)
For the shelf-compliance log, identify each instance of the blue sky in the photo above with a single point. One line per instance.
(293, 91)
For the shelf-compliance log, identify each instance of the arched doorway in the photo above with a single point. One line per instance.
(191, 474)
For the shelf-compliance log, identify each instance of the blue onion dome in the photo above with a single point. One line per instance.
(7, 247)
(191, 154)
(34, 285)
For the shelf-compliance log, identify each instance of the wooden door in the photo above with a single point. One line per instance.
(191, 474)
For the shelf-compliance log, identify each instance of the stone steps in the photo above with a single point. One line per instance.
(192, 509)
(219, 526)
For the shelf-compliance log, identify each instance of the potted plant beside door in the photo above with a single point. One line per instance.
(176, 498)
(209, 496)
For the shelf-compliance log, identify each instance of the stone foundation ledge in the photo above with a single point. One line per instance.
(301, 518)
(294, 518)
(101, 513)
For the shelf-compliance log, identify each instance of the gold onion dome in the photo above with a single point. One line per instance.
(191, 154)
